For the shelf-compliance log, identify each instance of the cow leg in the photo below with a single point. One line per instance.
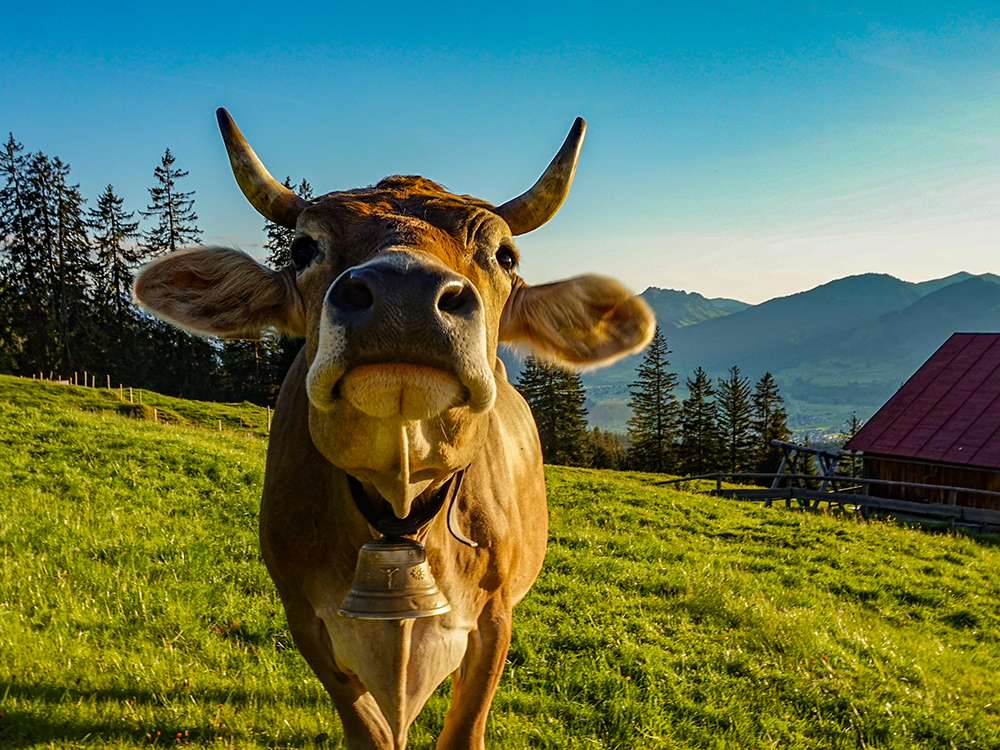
(365, 728)
(476, 680)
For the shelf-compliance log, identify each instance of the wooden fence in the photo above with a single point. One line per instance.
(134, 394)
(854, 497)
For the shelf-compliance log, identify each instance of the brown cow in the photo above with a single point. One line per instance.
(402, 292)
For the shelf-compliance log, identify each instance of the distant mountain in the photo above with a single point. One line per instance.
(729, 305)
(676, 309)
(906, 338)
(926, 287)
(841, 347)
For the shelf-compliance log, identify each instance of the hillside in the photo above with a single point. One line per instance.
(841, 347)
(135, 610)
(676, 309)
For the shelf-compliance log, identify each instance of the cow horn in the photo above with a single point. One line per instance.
(272, 200)
(530, 210)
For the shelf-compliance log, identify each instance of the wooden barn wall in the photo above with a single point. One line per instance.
(901, 470)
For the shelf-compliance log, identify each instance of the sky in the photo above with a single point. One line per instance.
(731, 150)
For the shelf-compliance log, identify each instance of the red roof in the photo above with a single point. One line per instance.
(948, 411)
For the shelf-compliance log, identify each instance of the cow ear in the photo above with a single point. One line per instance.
(584, 322)
(220, 291)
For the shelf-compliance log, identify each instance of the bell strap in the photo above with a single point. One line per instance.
(378, 513)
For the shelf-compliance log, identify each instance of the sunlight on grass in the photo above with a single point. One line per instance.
(135, 610)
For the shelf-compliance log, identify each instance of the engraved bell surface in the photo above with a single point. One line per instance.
(393, 581)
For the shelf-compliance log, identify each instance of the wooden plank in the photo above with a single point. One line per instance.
(754, 494)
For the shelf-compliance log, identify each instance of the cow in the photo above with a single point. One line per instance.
(403, 292)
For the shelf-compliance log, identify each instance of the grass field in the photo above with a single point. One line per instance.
(135, 610)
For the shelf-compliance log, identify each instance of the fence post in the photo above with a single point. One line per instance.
(220, 425)
(131, 400)
(109, 382)
(269, 419)
(156, 417)
(140, 397)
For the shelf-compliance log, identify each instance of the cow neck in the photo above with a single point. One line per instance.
(379, 514)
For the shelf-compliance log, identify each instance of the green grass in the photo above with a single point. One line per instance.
(245, 417)
(135, 611)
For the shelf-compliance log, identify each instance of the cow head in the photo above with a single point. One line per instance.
(403, 292)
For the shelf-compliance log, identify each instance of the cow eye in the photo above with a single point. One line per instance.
(303, 250)
(506, 257)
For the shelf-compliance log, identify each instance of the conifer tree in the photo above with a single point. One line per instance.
(21, 296)
(65, 270)
(850, 461)
(279, 239)
(117, 253)
(652, 429)
(556, 398)
(246, 370)
(735, 421)
(770, 422)
(172, 211)
(607, 449)
(282, 350)
(180, 364)
(805, 463)
(700, 448)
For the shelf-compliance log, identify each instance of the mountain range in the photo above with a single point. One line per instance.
(842, 347)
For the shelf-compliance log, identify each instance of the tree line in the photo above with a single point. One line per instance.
(66, 272)
(722, 426)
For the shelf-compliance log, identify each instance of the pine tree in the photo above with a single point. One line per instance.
(171, 210)
(805, 463)
(735, 421)
(117, 253)
(556, 398)
(21, 295)
(246, 370)
(652, 429)
(770, 422)
(850, 462)
(700, 449)
(282, 350)
(180, 364)
(279, 238)
(607, 449)
(65, 272)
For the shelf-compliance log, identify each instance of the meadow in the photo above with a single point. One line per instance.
(135, 610)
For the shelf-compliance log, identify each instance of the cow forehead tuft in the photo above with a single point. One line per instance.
(400, 197)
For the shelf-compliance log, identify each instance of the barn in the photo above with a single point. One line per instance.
(942, 427)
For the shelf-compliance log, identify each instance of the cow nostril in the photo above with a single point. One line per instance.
(455, 298)
(352, 295)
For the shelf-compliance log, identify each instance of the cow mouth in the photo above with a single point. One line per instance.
(380, 516)
(397, 389)
(411, 391)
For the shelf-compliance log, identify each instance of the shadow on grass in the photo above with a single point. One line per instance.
(28, 727)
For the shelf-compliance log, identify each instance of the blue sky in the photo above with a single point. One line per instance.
(731, 150)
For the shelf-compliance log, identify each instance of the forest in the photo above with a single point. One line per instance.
(66, 269)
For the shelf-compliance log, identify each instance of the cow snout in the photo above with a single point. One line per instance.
(401, 290)
(388, 325)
